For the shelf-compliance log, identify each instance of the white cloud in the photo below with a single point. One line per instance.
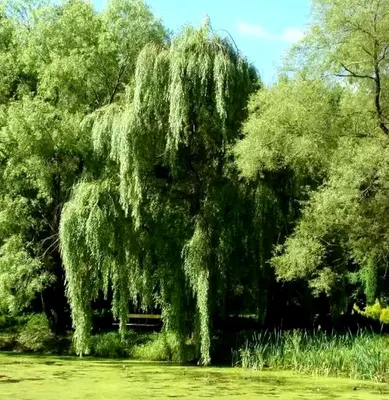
(292, 35)
(254, 30)
(289, 35)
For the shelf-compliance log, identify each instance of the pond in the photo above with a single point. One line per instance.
(61, 378)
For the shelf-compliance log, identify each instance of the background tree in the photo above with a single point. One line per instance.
(338, 243)
(65, 62)
(349, 39)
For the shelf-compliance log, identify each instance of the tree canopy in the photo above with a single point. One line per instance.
(335, 145)
(61, 63)
(168, 140)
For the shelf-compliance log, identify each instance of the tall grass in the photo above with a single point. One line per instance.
(363, 355)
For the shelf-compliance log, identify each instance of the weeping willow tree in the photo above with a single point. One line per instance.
(165, 231)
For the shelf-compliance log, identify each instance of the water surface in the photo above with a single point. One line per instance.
(56, 378)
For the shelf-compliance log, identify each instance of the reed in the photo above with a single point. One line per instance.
(363, 355)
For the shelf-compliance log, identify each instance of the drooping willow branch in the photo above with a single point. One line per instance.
(188, 102)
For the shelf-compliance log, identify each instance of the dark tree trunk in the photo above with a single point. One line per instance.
(54, 301)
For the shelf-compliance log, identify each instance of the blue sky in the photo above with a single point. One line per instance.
(262, 29)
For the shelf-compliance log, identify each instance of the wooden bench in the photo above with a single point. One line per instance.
(156, 318)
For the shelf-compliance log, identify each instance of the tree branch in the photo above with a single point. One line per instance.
(377, 73)
(361, 29)
(352, 74)
(121, 72)
(367, 51)
(383, 54)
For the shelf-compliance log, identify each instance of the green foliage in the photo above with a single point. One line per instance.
(185, 134)
(163, 347)
(375, 311)
(344, 222)
(140, 171)
(8, 56)
(360, 356)
(100, 250)
(21, 276)
(35, 335)
(291, 126)
(109, 345)
(31, 333)
(325, 133)
(348, 39)
(8, 341)
(61, 62)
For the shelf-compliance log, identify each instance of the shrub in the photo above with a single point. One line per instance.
(375, 311)
(157, 348)
(109, 345)
(12, 323)
(164, 346)
(35, 335)
(384, 316)
(8, 341)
